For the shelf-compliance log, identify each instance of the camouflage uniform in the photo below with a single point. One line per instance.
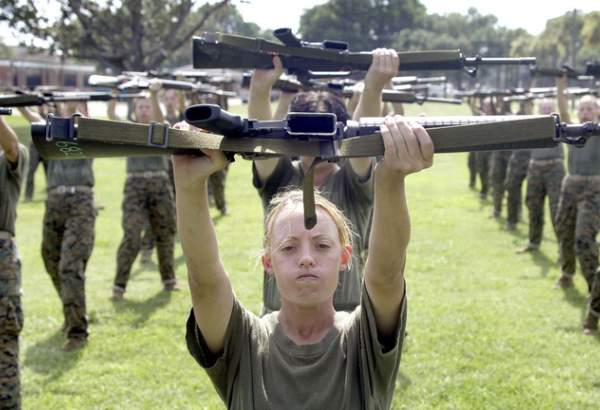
(34, 161)
(148, 196)
(544, 177)
(482, 159)
(577, 224)
(498, 176)
(578, 218)
(515, 175)
(472, 164)
(11, 314)
(68, 237)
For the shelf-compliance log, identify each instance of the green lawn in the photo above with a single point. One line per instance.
(486, 329)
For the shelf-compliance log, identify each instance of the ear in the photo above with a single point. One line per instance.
(267, 265)
(345, 257)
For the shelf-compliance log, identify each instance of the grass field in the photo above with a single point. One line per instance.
(486, 329)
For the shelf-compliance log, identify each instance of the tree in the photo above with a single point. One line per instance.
(123, 35)
(364, 24)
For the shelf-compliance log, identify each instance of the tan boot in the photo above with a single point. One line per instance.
(118, 293)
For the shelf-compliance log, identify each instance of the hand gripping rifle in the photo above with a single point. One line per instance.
(301, 134)
(219, 50)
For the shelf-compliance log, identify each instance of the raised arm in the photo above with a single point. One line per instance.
(561, 98)
(212, 295)
(383, 67)
(408, 149)
(259, 108)
(29, 115)
(283, 105)
(9, 142)
(154, 88)
(111, 109)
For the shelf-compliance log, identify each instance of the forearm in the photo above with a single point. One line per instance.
(197, 233)
(157, 114)
(29, 115)
(283, 105)
(369, 104)
(259, 103)
(390, 232)
(9, 142)
(563, 105)
(111, 110)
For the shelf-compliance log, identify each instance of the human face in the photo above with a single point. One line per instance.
(143, 111)
(306, 263)
(587, 111)
(546, 107)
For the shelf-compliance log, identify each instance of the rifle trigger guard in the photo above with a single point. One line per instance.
(165, 136)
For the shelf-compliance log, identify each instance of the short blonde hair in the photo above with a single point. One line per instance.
(294, 197)
(589, 99)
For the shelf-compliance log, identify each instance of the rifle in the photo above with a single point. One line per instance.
(28, 100)
(418, 80)
(344, 89)
(5, 111)
(134, 80)
(317, 135)
(219, 50)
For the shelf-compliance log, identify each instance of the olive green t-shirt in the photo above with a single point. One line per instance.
(70, 172)
(151, 164)
(353, 196)
(585, 160)
(11, 177)
(261, 368)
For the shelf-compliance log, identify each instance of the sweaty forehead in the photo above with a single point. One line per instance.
(290, 222)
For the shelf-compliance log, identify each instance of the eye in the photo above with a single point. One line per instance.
(288, 248)
(323, 246)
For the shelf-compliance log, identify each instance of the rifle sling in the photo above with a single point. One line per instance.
(531, 132)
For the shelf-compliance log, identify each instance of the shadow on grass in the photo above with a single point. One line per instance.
(46, 357)
(403, 381)
(542, 261)
(142, 310)
(217, 218)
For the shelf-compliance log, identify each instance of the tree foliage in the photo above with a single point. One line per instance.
(364, 24)
(124, 35)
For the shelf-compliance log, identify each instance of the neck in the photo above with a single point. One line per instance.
(306, 325)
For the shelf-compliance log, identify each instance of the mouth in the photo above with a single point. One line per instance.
(307, 277)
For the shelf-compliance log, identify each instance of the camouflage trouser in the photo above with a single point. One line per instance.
(11, 323)
(67, 244)
(472, 164)
(216, 186)
(515, 175)
(34, 161)
(594, 306)
(147, 199)
(147, 243)
(577, 224)
(483, 168)
(543, 178)
(498, 175)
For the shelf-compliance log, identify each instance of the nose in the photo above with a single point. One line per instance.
(306, 258)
